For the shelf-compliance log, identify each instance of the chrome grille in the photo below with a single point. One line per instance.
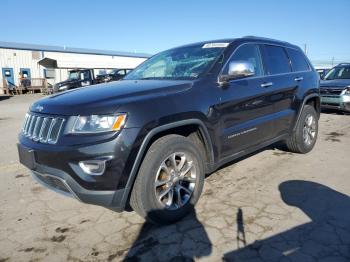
(331, 91)
(43, 129)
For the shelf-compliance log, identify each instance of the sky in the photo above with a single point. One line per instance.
(152, 26)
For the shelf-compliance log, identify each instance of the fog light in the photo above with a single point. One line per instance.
(93, 167)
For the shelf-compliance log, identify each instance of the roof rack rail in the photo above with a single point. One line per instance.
(265, 38)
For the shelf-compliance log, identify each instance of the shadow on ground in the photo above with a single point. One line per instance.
(185, 240)
(325, 238)
(334, 112)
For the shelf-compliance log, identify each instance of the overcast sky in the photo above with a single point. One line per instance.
(152, 26)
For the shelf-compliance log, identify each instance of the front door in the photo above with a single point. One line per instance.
(245, 108)
(7, 74)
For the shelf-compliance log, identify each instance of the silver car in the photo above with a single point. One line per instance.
(335, 88)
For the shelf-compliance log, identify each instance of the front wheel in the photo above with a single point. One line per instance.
(304, 136)
(170, 180)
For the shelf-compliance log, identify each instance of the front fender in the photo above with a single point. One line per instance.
(145, 143)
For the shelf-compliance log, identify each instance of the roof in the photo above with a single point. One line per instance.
(64, 49)
(245, 38)
(343, 64)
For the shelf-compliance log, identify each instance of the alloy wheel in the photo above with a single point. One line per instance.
(309, 129)
(175, 181)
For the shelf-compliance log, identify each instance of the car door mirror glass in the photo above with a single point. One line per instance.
(240, 69)
(237, 70)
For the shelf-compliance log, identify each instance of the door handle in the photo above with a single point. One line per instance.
(298, 79)
(266, 84)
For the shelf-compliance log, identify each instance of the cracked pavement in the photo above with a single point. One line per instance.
(270, 206)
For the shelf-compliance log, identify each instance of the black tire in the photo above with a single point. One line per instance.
(296, 142)
(143, 197)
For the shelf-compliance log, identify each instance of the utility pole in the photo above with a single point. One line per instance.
(332, 61)
(305, 49)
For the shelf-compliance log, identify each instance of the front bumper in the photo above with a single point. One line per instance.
(62, 183)
(339, 102)
(56, 167)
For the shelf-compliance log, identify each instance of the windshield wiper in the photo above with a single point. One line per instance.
(151, 78)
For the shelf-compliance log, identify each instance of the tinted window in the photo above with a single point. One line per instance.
(339, 72)
(299, 62)
(85, 75)
(249, 53)
(121, 73)
(276, 60)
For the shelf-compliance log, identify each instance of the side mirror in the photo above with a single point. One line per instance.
(238, 69)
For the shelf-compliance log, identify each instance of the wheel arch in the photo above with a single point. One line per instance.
(182, 127)
(313, 100)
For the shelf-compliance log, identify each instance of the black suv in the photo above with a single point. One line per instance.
(148, 141)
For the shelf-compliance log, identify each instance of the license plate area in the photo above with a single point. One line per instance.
(26, 156)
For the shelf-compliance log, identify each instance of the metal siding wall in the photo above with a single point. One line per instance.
(69, 60)
(17, 59)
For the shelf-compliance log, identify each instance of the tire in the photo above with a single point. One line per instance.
(298, 143)
(146, 198)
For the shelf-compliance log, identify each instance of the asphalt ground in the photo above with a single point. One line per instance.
(269, 206)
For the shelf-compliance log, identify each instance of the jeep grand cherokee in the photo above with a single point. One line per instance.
(149, 140)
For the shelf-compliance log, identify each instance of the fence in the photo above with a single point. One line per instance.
(27, 85)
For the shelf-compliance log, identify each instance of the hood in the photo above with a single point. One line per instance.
(336, 83)
(106, 98)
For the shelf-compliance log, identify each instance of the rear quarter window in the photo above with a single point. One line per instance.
(298, 60)
(276, 60)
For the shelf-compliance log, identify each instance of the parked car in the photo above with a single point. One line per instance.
(76, 78)
(113, 75)
(335, 88)
(148, 140)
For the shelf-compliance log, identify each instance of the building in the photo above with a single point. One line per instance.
(54, 62)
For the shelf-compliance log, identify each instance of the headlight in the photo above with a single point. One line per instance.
(98, 123)
(346, 91)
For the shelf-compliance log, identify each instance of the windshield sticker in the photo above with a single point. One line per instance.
(215, 45)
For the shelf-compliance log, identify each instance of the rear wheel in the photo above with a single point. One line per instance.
(304, 136)
(170, 180)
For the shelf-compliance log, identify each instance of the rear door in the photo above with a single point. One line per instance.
(283, 87)
(245, 105)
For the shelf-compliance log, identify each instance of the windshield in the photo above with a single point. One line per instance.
(74, 75)
(338, 73)
(179, 63)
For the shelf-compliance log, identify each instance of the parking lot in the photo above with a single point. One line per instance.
(270, 206)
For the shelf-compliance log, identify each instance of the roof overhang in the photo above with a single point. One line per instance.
(48, 62)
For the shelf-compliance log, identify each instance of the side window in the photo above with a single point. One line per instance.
(298, 60)
(121, 72)
(249, 53)
(276, 60)
(85, 75)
